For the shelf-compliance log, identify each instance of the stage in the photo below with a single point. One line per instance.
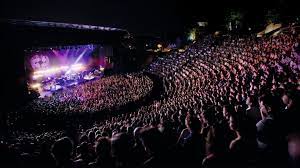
(54, 84)
(51, 69)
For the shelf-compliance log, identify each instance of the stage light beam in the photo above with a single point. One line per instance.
(77, 60)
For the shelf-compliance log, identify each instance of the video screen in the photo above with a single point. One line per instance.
(55, 68)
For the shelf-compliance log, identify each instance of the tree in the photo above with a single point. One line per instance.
(234, 19)
(272, 16)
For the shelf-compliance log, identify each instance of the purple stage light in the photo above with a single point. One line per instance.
(77, 60)
(60, 66)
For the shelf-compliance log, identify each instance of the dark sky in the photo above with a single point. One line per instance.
(137, 16)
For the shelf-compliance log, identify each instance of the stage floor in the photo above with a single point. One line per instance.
(48, 88)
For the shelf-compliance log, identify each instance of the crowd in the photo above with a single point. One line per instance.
(69, 105)
(228, 101)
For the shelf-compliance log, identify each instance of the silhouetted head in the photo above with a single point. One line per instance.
(62, 149)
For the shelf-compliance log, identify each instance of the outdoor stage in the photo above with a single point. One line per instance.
(52, 85)
(52, 69)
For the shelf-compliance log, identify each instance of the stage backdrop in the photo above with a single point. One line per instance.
(44, 61)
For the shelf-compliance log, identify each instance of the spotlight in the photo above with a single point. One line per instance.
(35, 85)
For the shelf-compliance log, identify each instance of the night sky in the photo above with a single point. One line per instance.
(152, 17)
